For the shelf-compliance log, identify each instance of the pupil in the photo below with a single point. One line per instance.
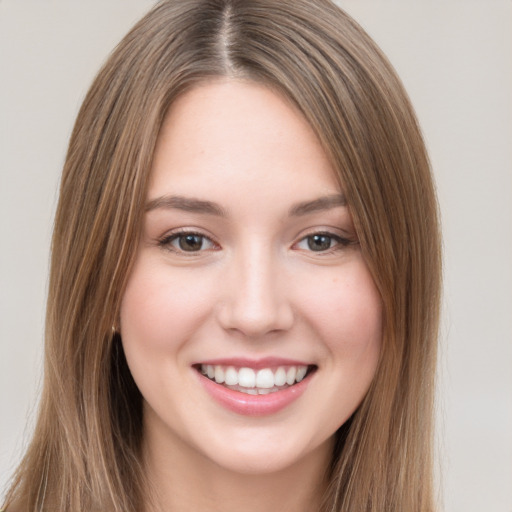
(319, 242)
(191, 242)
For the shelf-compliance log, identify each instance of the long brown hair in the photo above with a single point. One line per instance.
(85, 451)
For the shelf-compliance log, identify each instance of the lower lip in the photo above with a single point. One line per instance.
(253, 405)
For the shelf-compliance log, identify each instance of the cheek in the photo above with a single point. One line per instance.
(347, 317)
(161, 308)
(160, 314)
(346, 310)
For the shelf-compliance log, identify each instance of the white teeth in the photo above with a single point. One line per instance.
(280, 377)
(231, 376)
(263, 381)
(301, 373)
(290, 375)
(246, 378)
(254, 391)
(219, 375)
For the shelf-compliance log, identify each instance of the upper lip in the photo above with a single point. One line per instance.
(256, 364)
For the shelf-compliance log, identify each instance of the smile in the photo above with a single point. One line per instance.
(255, 382)
(254, 389)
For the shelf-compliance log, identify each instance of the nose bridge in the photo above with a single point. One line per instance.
(256, 302)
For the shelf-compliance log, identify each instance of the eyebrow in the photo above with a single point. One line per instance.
(188, 204)
(194, 205)
(322, 203)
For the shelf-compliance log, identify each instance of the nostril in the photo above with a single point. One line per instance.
(254, 319)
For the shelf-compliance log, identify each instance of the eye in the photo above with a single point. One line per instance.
(187, 242)
(322, 242)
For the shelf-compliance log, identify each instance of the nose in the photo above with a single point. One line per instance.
(254, 300)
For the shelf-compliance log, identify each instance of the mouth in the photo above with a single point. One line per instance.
(256, 381)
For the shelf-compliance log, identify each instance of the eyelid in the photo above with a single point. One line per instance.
(342, 241)
(166, 241)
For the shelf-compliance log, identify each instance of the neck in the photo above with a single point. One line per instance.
(183, 480)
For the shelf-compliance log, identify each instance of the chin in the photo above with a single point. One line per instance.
(263, 455)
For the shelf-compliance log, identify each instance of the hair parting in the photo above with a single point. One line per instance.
(85, 452)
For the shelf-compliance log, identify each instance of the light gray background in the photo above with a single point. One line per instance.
(454, 57)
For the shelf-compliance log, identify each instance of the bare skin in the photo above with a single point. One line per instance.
(200, 484)
(249, 262)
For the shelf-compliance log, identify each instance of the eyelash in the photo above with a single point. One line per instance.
(340, 242)
(166, 242)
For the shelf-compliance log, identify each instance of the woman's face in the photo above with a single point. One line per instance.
(249, 271)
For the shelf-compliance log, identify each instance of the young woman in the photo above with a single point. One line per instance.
(245, 275)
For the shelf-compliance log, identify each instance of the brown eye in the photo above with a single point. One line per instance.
(185, 242)
(190, 242)
(319, 242)
(323, 242)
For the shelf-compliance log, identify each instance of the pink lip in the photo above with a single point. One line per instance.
(253, 405)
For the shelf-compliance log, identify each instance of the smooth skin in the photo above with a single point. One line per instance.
(248, 251)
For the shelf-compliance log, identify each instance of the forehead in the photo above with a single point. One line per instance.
(238, 137)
